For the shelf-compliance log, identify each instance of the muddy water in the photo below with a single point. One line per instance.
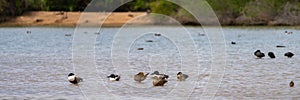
(35, 65)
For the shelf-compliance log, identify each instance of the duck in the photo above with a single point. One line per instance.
(280, 46)
(140, 76)
(291, 84)
(288, 32)
(159, 80)
(97, 33)
(156, 73)
(72, 78)
(140, 48)
(201, 34)
(68, 34)
(233, 42)
(182, 77)
(149, 40)
(271, 55)
(113, 77)
(289, 54)
(28, 32)
(157, 34)
(259, 54)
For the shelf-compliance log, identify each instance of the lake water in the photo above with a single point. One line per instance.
(35, 65)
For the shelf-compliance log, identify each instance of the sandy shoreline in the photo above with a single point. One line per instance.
(71, 19)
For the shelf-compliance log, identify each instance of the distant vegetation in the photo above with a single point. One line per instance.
(17, 7)
(230, 12)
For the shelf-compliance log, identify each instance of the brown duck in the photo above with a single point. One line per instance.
(292, 84)
(159, 80)
(182, 77)
(140, 76)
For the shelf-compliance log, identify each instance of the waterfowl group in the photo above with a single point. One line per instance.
(158, 79)
(72, 78)
(286, 32)
(28, 32)
(260, 54)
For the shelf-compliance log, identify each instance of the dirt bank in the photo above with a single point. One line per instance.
(43, 18)
(287, 17)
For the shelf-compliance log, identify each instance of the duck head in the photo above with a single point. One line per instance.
(71, 74)
(179, 73)
(155, 73)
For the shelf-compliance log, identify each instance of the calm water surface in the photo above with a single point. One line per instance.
(35, 65)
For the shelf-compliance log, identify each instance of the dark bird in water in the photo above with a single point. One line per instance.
(280, 46)
(113, 77)
(288, 32)
(259, 54)
(159, 80)
(201, 34)
(289, 54)
(182, 77)
(140, 76)
(72, 78)
(97, 33)
(233, 42)
(149, 40)
(292, 84)
(28, 32)
(68, 34)
(156, 73)
(157, 34)
(140, 49)
(271, 55)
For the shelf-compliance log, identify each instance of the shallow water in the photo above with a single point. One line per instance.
(35, 65)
